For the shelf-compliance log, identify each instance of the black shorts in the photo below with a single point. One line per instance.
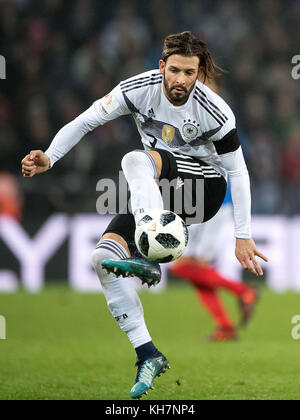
(194, 183)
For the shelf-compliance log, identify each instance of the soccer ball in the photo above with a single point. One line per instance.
(161, 236)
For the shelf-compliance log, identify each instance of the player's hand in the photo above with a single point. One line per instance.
(246, 252)
(35, 163)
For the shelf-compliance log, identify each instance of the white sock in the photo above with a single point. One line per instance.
(140, 172)
(121, 296)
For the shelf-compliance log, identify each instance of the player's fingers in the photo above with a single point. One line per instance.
(29, 175)
(28, 172)
(257, 266)
(35, 154)
(28, 165)
(250, 266)
(262, 256)
(26, 158)
(28, 168)
(243, 263)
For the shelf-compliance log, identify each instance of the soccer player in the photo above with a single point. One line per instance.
(188, 133)
(196, 266)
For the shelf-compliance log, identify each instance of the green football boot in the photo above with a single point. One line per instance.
(145, 270)
(147, 371)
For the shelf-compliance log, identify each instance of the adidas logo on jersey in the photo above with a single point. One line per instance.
(151, 113)
(180, 183)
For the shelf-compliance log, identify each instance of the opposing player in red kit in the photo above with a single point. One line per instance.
(197, 267)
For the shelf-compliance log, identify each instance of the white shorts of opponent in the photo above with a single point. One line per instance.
(206, 239)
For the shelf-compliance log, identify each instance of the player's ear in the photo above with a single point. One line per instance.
(200, 76)
(162, 66)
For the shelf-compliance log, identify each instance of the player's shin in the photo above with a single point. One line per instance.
(140, 171)
(122, 299)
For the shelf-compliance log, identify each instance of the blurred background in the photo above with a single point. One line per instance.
(61, 56)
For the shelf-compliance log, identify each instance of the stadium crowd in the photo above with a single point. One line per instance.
(61, 56)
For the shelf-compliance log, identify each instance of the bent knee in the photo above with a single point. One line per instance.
(142, 162)
(132, 159)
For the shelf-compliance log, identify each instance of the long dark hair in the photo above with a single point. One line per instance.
(187, 44)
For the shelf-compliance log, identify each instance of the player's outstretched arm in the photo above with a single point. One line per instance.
(35, 163)
(102, 111)
(246, 252)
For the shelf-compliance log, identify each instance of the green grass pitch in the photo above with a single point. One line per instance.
(65, 345)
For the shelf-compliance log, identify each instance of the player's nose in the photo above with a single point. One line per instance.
(180, 80)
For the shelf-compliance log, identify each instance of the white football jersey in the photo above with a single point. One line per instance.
(204, 127)
(189, 129)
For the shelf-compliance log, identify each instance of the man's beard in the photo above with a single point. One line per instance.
(177, 97)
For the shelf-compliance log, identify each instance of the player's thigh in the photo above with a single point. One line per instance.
(203, 192)
(122, 229)
(195, 191)
(158, 161)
